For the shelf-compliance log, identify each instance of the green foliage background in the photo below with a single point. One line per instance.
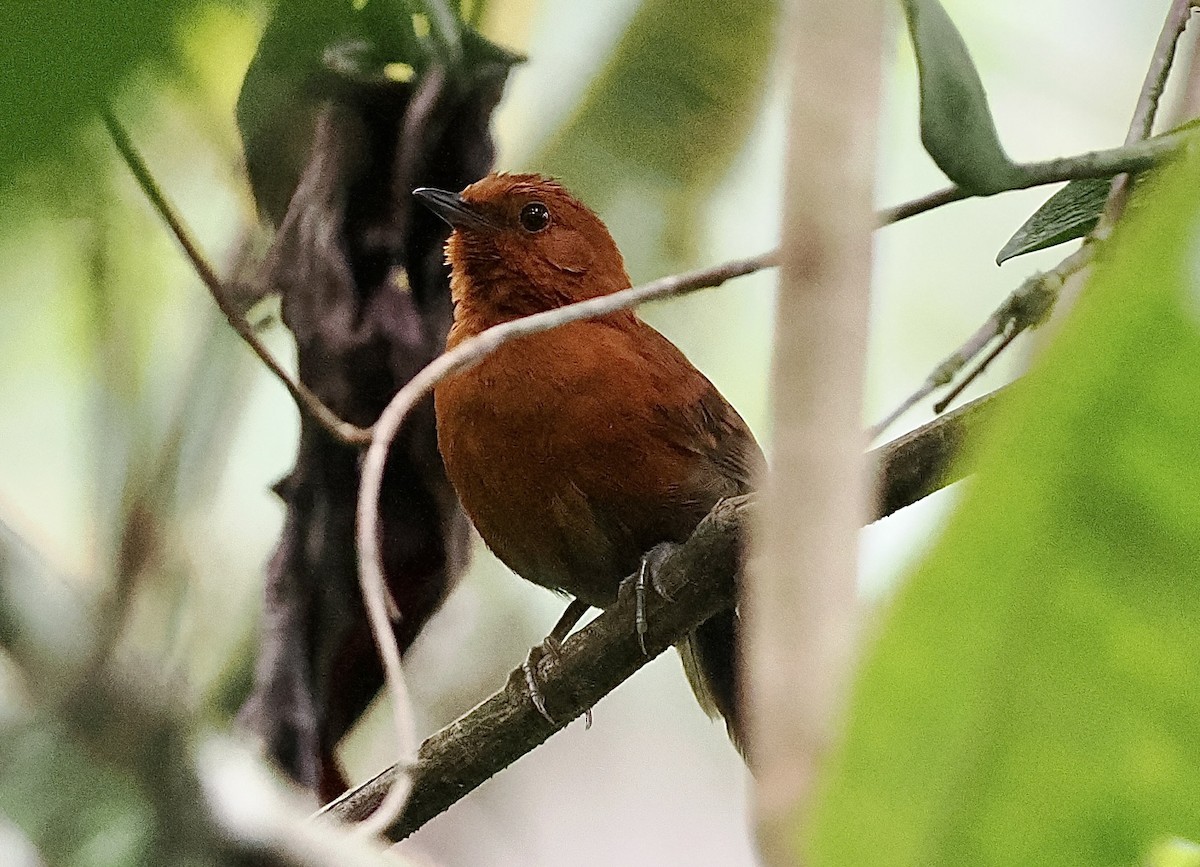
(62, 58)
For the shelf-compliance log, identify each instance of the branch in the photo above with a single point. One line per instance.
(594, 661)
(925, 460)
(1160, 67)
(1136, 157)
(799, 599)
(1106, 163)
(1144, 112)
(304, 397)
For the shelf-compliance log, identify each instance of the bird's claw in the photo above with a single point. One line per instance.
(535, 691)
(647, 576)
(550, 647)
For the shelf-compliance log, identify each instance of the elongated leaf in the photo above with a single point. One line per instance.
(1070, 213)
(1033, 696)
(956, 124)
(672, 106)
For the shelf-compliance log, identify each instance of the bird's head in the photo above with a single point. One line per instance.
(522, 243)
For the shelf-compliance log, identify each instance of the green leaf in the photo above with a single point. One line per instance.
(1033, 694)
(956, 124)
(1070, 213)
(672, 106)
(62, 58)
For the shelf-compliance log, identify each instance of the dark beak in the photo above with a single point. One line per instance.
(451, 208)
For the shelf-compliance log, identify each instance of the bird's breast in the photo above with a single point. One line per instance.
(516, 435)
(577, 450)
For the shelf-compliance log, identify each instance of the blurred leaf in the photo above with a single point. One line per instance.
(1034, 694)
(1174, 853)
(956, 124)
(1070, 213)
(308, 50)
(313, 50)
(78, 812)
(62, 58)
(672, 106)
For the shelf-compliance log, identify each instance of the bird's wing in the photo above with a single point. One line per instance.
(694, 448)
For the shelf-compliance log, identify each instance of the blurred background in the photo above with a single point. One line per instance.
(125, 393)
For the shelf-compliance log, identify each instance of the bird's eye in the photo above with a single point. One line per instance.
(534, 217)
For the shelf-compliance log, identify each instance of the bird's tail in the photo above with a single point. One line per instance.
(709, 657)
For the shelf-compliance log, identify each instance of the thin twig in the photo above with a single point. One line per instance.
(1004, 343)
(1160, 67)
(921, 205)
(379, 604)
(307, 401)
(1144, 112)
(945, 372)
(1135, 157)
(1026, 307)
(467, 354)
(595, 660)
(1105, 163)
(1188, 105)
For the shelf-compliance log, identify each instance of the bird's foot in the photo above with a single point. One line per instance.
(648, 577)
(551, 647)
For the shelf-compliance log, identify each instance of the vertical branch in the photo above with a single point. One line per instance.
(1146, 109)
(800, 593)
(1155, 82)
(1188, 106)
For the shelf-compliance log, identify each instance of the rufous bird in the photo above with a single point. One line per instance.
(578, 450)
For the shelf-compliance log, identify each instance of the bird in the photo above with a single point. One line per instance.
(581, 454)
